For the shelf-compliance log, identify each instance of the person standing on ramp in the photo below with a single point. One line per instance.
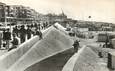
(76, 46)
(39, 33)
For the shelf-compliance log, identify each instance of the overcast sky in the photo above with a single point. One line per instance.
(100, 10)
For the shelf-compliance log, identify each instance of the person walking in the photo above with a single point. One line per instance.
(15, 30)
(39, 33)
(8, 38)
(0, 40)
(76, 46)
(4, 38)
(100, 51)
(22, 34)
(39, 26)
(29, 32)
(15, 42)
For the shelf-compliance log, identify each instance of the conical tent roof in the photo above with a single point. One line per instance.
(53, 43)
(7, 60)
(84, 60)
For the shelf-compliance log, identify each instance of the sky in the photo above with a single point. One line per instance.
(99, 10)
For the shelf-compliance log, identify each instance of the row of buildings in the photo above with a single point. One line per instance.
(95, 26)
(11, 14)
(18, 14)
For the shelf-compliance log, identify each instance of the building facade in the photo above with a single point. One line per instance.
(13, 14)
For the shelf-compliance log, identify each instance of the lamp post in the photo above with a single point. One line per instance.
(5, 16)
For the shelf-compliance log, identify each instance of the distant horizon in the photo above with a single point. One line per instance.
(99, 10)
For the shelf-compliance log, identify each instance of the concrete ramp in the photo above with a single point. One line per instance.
(84, 60)
(60, 27)
(53, 43)
(53, 63)
(7, 60)
(11, 57)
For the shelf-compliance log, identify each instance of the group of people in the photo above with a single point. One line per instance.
(5, 36)
(28, 30)
(19, 34)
